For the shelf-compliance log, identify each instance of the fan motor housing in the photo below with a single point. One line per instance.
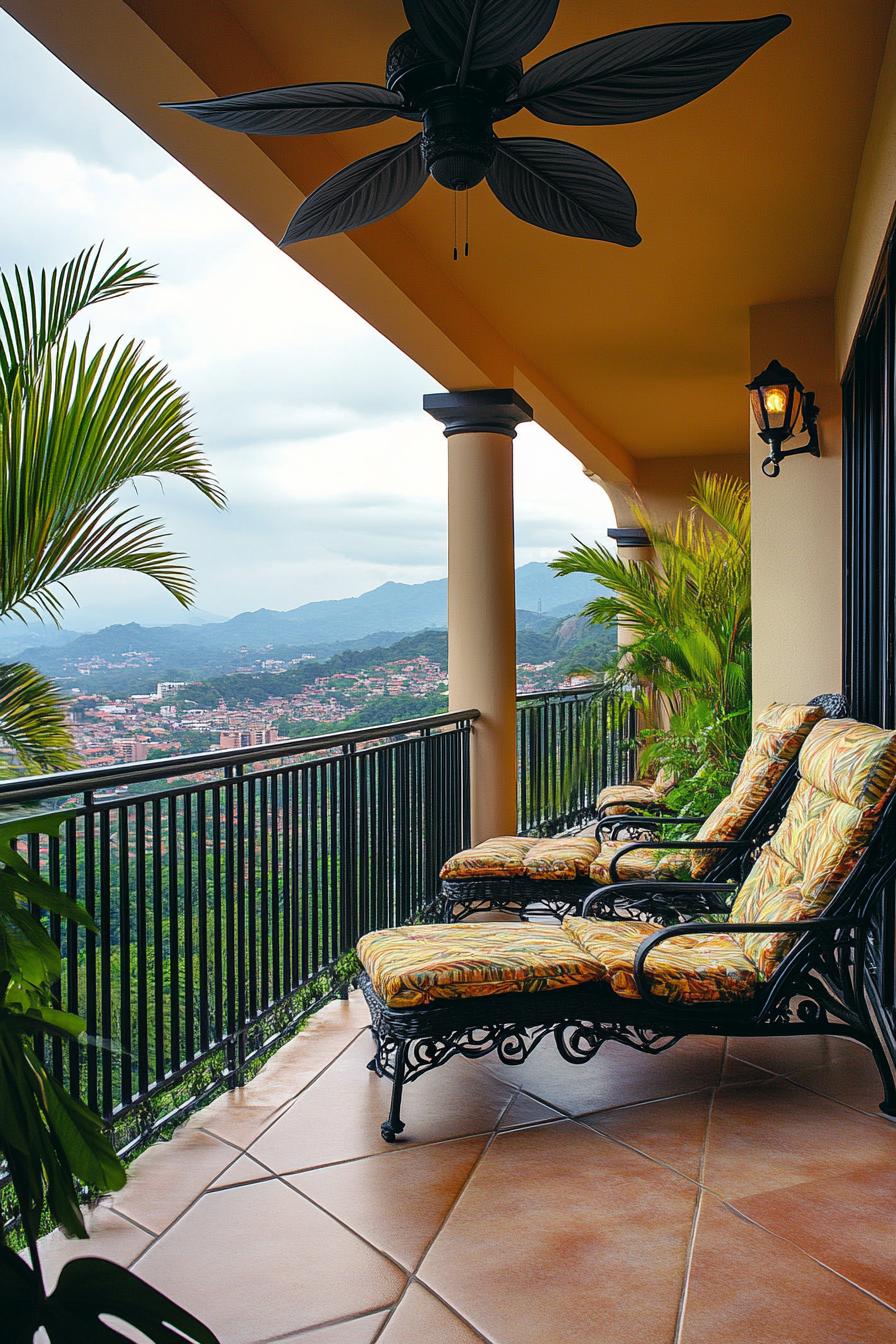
(458, 143)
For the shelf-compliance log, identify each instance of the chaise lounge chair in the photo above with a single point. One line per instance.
(525, 876)
(788, 960)
(642, 796)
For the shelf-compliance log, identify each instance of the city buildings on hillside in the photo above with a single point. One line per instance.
(127, 729)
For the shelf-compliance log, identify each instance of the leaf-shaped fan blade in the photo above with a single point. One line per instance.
(297, 109)
(505, 30)
(643, 72)
(360, 194)
(565, 189)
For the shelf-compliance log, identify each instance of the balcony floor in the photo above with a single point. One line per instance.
(739, 1192)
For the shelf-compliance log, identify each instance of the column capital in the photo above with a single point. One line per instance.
(634, 537)
(488, 410)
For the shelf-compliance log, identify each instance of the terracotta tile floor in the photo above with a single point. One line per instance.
(741, 1192)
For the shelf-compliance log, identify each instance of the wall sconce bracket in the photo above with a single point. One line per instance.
(772, 465)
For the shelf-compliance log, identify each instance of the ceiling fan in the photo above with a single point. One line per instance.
(459, 71)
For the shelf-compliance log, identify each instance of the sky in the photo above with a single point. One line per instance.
(311, 419)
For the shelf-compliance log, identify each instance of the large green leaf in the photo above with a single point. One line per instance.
(79, 1133)
(90, 1289)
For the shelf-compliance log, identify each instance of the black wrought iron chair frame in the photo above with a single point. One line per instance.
(818, 989)
(530, 897)
(465, 898)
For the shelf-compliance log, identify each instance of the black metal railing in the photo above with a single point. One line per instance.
(229, 889)
(570, 745)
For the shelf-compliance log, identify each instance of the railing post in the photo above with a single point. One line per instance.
(348, 852)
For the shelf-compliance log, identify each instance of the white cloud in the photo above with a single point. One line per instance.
(312, 420)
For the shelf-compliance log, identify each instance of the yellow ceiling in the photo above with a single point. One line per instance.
(743, 198)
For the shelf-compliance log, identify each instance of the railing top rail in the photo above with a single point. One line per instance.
(589, 688)
(32, 788)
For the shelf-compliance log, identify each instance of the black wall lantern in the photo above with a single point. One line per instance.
(778, 399)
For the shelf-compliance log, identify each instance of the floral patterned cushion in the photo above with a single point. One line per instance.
(501, 857)
(422, 963)
(779, 733)
(848, 772)
(619, 799)
(639, 865)
(687, 969)
(561, 859)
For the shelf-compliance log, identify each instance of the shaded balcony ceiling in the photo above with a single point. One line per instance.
(744, 199)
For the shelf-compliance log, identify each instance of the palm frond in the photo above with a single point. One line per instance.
(35, 310)
(71, 437)
(32, 719)
(686, 615)
(725, 500)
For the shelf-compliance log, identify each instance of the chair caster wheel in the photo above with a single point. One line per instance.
(391, 1132)
(373, 1066)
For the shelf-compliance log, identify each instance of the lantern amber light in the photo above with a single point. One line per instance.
(778, 400)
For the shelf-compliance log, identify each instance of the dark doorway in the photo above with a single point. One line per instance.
(869, 558)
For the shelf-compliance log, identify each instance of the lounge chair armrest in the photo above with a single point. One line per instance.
(826, 923)
(648, 822)
(672, 845)
(650, 806)
(647, 888)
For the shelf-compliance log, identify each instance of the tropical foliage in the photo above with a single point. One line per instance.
(687, 649)
(51, 1144)
(78, 423)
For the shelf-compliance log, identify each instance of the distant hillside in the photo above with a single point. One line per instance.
(375, 619)
(570, 643)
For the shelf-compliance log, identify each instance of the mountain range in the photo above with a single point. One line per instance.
(379, 617)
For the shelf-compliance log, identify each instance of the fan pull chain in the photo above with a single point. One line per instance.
(454, 195)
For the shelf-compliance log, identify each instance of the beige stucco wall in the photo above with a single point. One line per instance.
(872, 207)
(664, 484)
(796, 518)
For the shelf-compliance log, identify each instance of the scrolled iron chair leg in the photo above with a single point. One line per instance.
(887, 1077)
(391, 1128)
(374, 1064)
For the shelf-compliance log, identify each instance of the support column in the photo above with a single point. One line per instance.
(480, 427)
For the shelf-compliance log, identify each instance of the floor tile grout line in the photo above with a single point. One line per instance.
(822, 1264)
(392, 1150)
(490, 1139)
(125, 1217)
(291, 1101)
(281, 1110)
(630, 1148)
(470, 1174)
(386, 1255)
(686, 1271)
(698, 1205)
(855, 1110)
(206, 1189)
(322, 1325)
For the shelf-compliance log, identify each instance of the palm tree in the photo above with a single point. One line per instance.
(78, 422)
(687, 618)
